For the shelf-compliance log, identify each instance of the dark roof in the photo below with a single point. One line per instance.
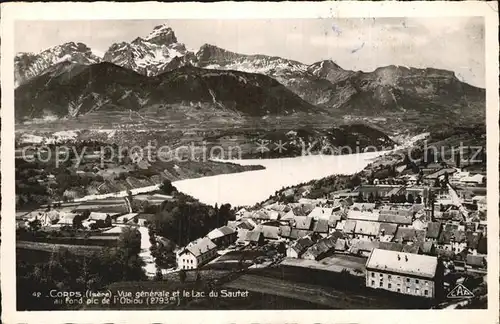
(296, 233)
(482, 246)
(476, 260)
(226, 230)
(322, 246)
(427, 247)
(340, 245)
(388, 229)
(394, 218)
(445, 253)
(393, 246)
(406, 234)
(413, 248)
(302, 244)
(446, 233)
(321, 226)
(148, 217)
(253, 236)
(433, 229)
(303, 223)
(459, 236)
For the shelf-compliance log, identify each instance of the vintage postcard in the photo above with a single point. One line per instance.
(335, 160)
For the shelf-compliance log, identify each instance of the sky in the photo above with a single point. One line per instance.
(454, 43)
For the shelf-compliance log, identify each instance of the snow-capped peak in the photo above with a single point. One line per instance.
(66, 57)
(163, 34)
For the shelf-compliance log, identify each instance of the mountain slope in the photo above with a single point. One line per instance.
(69, 90)
(29, 65)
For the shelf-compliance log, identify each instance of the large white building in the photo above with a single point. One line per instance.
(196, 253)
(404, 273)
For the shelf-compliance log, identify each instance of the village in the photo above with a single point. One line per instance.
(416, 235)
(408, 237)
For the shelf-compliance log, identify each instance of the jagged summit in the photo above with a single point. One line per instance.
(162, 34)
(29, 65)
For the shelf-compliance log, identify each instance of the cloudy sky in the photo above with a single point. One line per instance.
(455, 44)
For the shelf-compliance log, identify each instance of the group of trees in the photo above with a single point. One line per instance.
(66, 271)
(185, 219)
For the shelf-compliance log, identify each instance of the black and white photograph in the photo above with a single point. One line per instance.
(332, 163)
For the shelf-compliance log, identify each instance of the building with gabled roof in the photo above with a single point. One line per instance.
(404, 273)
(223, 236)
(366, 229)
(321, 213)
(302, 222)
(196, 253)
(297, 248)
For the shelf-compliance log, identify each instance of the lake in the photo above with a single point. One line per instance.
(251, 187)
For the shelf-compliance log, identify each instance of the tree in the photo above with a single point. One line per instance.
(130, 240)
(437, 183)
(159, 274)
(35, 225)
(167, 187)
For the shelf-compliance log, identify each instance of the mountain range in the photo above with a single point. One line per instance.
(70, 80)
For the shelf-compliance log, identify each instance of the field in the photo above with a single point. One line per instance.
(337, 263)
(50, 248)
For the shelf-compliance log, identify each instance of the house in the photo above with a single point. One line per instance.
(68, 219)
(321, 213)
(321, 249)
(145, 219)
(321, 227)
(241, 224)
(362, 247)
(433, 231)
(387, 231)
(100, 219)
(473, 239)
(428, 247)
(401, 217)
(223, 236)
(392, 246)
(473, 181)
(332, 222)
(368, 207)
(254, 237)
(405, 235)
(340, 245)
(476, 261)
(366, 230)
(458, 241)
(124, 219)
(302, 222)
(295, 234)
(349, 227)
(404, 273)
(269, 232)
(363, 215)
(297, 248)
(196, 253)
(480, 201)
